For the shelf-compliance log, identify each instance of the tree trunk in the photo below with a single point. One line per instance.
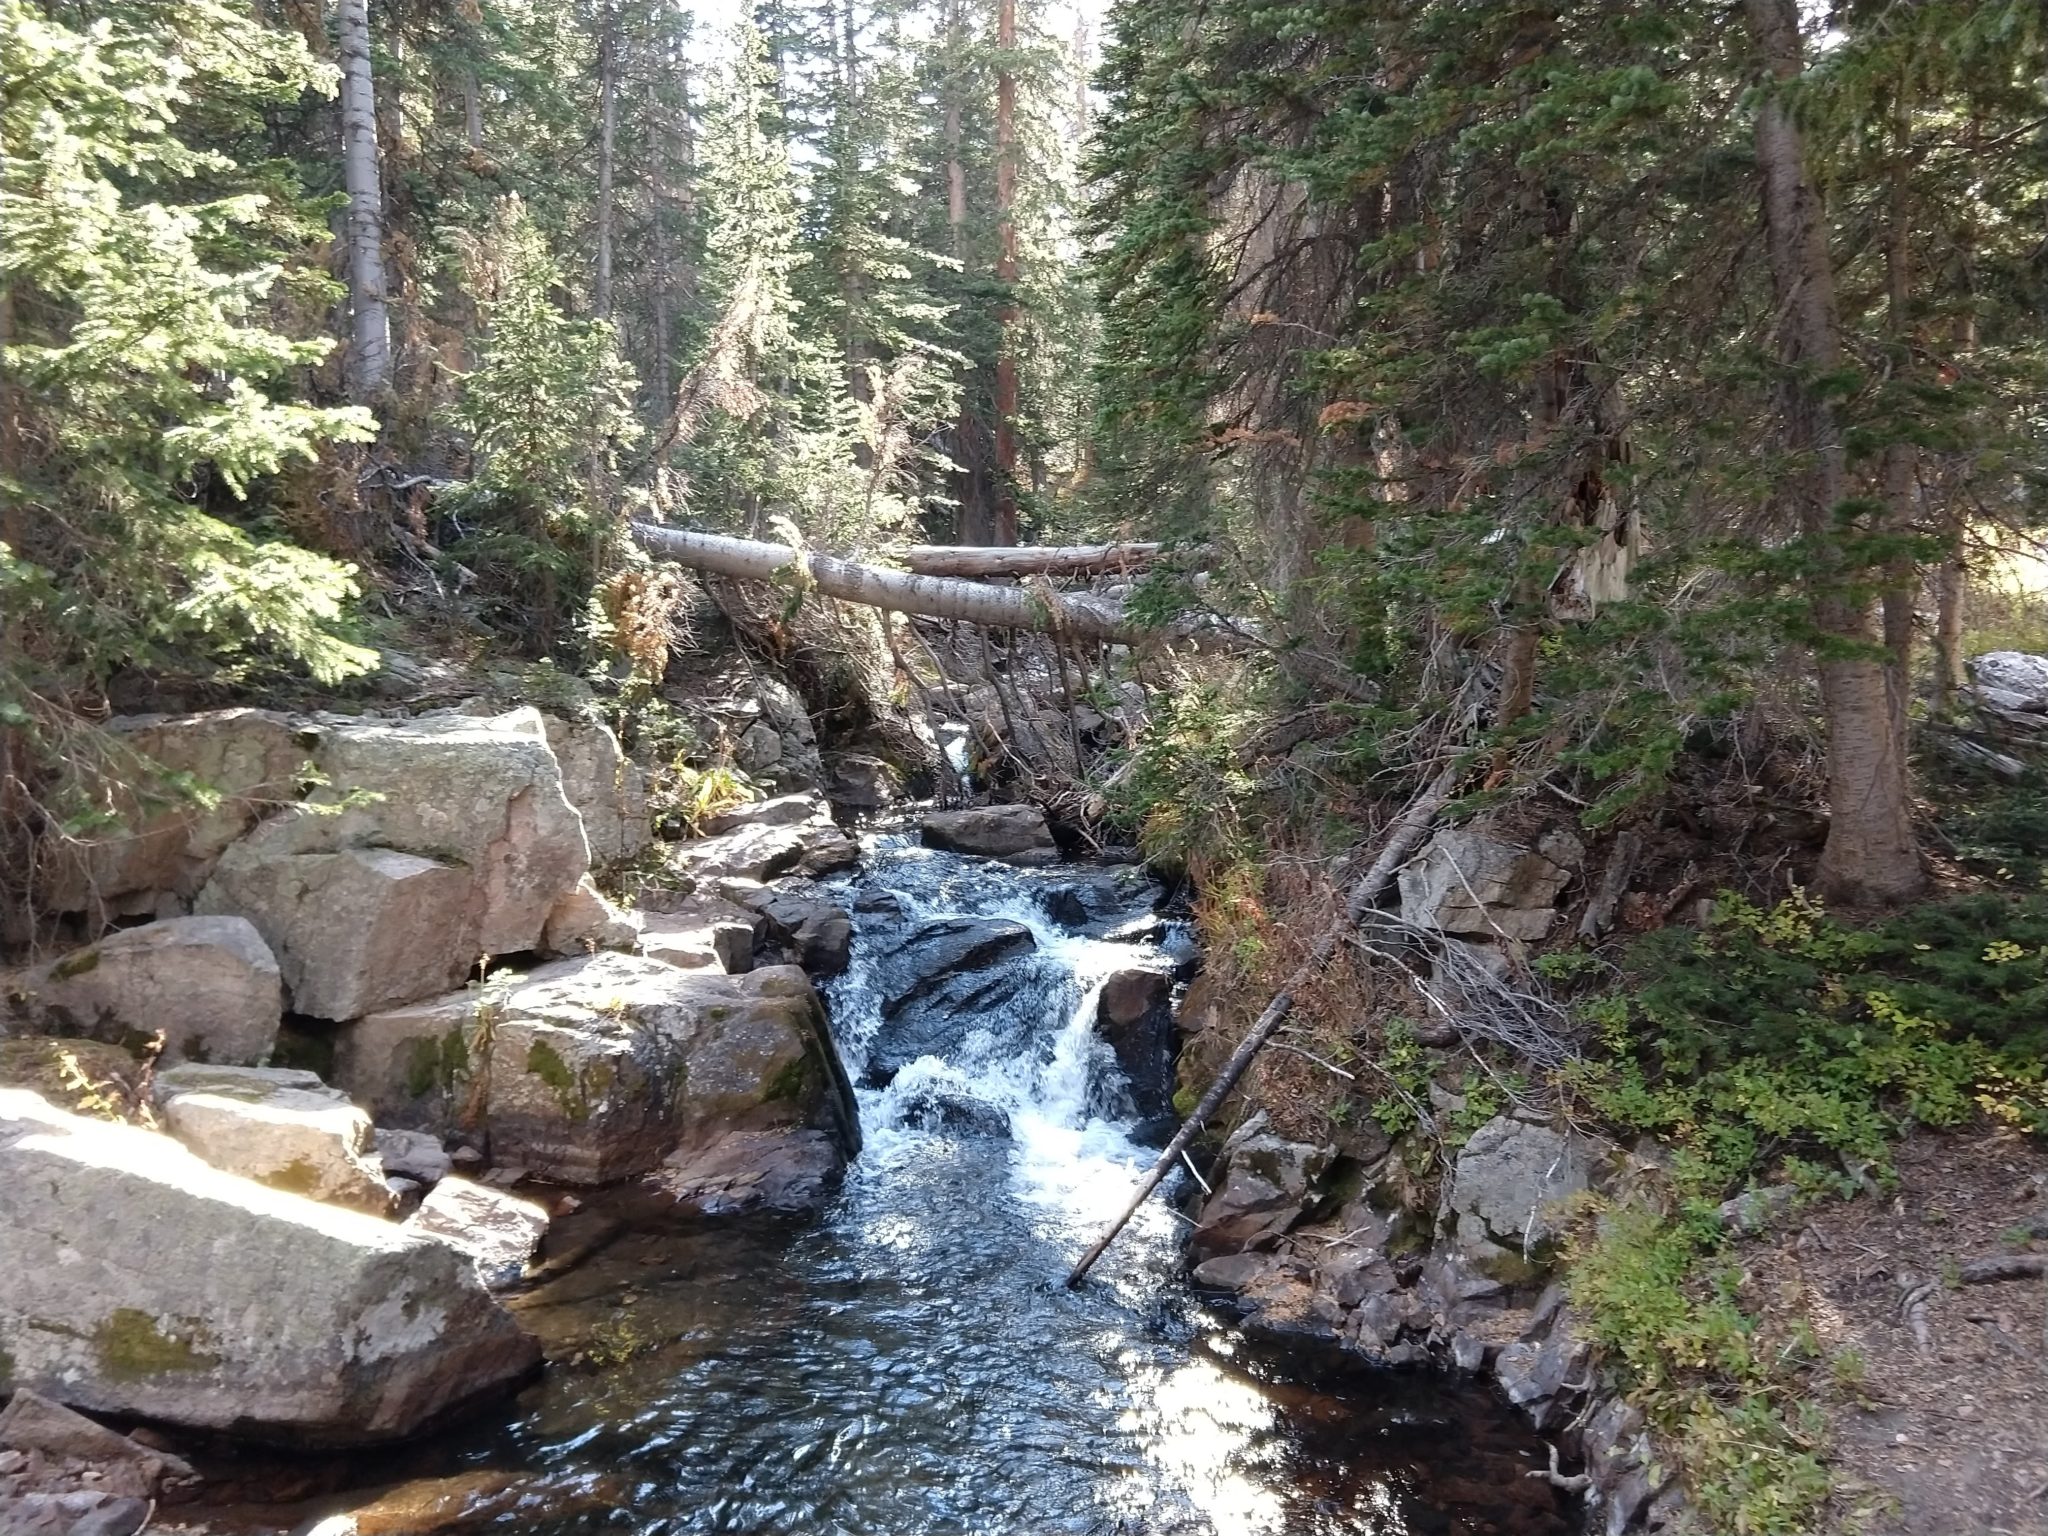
(607, 139)
(931, 596)
(1871, 856)
(1005, 529)
(369, 357)
(472, 111)
(1028, 559)
(1900, 473)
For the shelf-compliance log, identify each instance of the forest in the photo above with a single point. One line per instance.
(1586, 418)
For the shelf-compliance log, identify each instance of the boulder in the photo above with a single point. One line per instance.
(595, 1069)
(759, 749)
(2018, 673)
(915, 964)
(413, 1155)
(280, 1127)
(719, 944)
(1016, 834)
(814, 930)
(583, 920)
(607, 789)
(209, 983)
(1135, 1019)
(246, 761)
(82, 1512)
(137, 1280)
(439, 839)
(1268, 1183)
(747, 853)
(84, 1075)
(1506, 1187)
(120, 1466)
(862, 784)
(357, 930)
(1466, 881)
(752, 1171)
(499, 1232)
(806, 808)
(940, 981)
(958, 1114)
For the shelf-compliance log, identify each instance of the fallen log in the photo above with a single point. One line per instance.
(1402, 839)
(933, 597)
(972, 560)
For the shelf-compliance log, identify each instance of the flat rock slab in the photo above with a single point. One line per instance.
(499, 1232)
(284, 1128)
(137, 1280)
(1016, 834)
(752, 1171)
(210, 984)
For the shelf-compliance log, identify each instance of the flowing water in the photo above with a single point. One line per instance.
(909, 1362)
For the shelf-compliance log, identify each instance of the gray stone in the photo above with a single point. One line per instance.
(1757, 1210)
(1267, 1184)
(607, 790)
(357, 930)
(1467, 882)
(861, 783)
(1510, 1179)
(1230, 1271)
(723, 944)
(209, 983)
(413, 1155)
(277, 1129)
(748, 853)
(137, 1280)
(815, 929)
(32, 1422)
(584, 920)
(752, 1171)
(499, 1232)
(595, 1069)
(759, 749)
(82, 1513)
(804, 809)
(1016, 834)
(2014, 672)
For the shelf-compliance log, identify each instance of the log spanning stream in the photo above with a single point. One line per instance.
(910, 1362)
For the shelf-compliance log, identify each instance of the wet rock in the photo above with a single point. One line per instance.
(357, 930)
(583, 920)
(1267, 1184)
(1468, 882)
(1135, 1018)
(74, 1514)
(956, 1114)
(137, 1280)
(481, 796)
(918, 962)
(280, 1127)
(1016, 834)
(209, 983)
(607, 789)
(32, 1422)
(594, 1069)
(752, 1170)
(471, 1502)
(1508, 1182)
(814, 930)
(499, 1232)
(940, 982)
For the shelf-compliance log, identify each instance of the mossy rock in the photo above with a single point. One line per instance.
(130, 1346)
(53, 1066)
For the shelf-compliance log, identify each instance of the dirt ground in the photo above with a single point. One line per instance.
(1940, 1413)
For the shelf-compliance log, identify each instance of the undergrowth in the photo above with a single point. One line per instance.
(1779, 1045)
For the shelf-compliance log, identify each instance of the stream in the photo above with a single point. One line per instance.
(909, 1362)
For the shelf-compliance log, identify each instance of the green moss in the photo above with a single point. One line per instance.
(76, 964)
(432, 1064)
(545, 1063)
(6, 1371)
(791, 1084)
(131, 1347)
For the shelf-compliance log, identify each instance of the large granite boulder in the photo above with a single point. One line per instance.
(1506, 1191)
(209, 983)
(595, 1069)
(751, 1171)
(584, 920)
(279, 1126)
(428, 843)
(1267, 1186)
(1134, 1016)
(137, 1280)
(2020, 677)
(1016, 834)
(940, 981)
(754, 852)
(499, 1231)
(242, 763)
(1469, 882)
(805, 921)
(605, 786)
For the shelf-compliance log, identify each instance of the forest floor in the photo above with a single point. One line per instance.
(1948, 1437)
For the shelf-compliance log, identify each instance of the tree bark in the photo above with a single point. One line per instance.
(607, 140)
(369, 357)
(1028, 559)
(1005, 529)
(1871, 856)
(933, 597)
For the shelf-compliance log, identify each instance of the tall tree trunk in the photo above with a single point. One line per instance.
(607, 140)
(369, 357)
(971, 519)
(1871, 855)
(1005, 529)
(1899, 474)
(472, 111)
(1951, 580)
